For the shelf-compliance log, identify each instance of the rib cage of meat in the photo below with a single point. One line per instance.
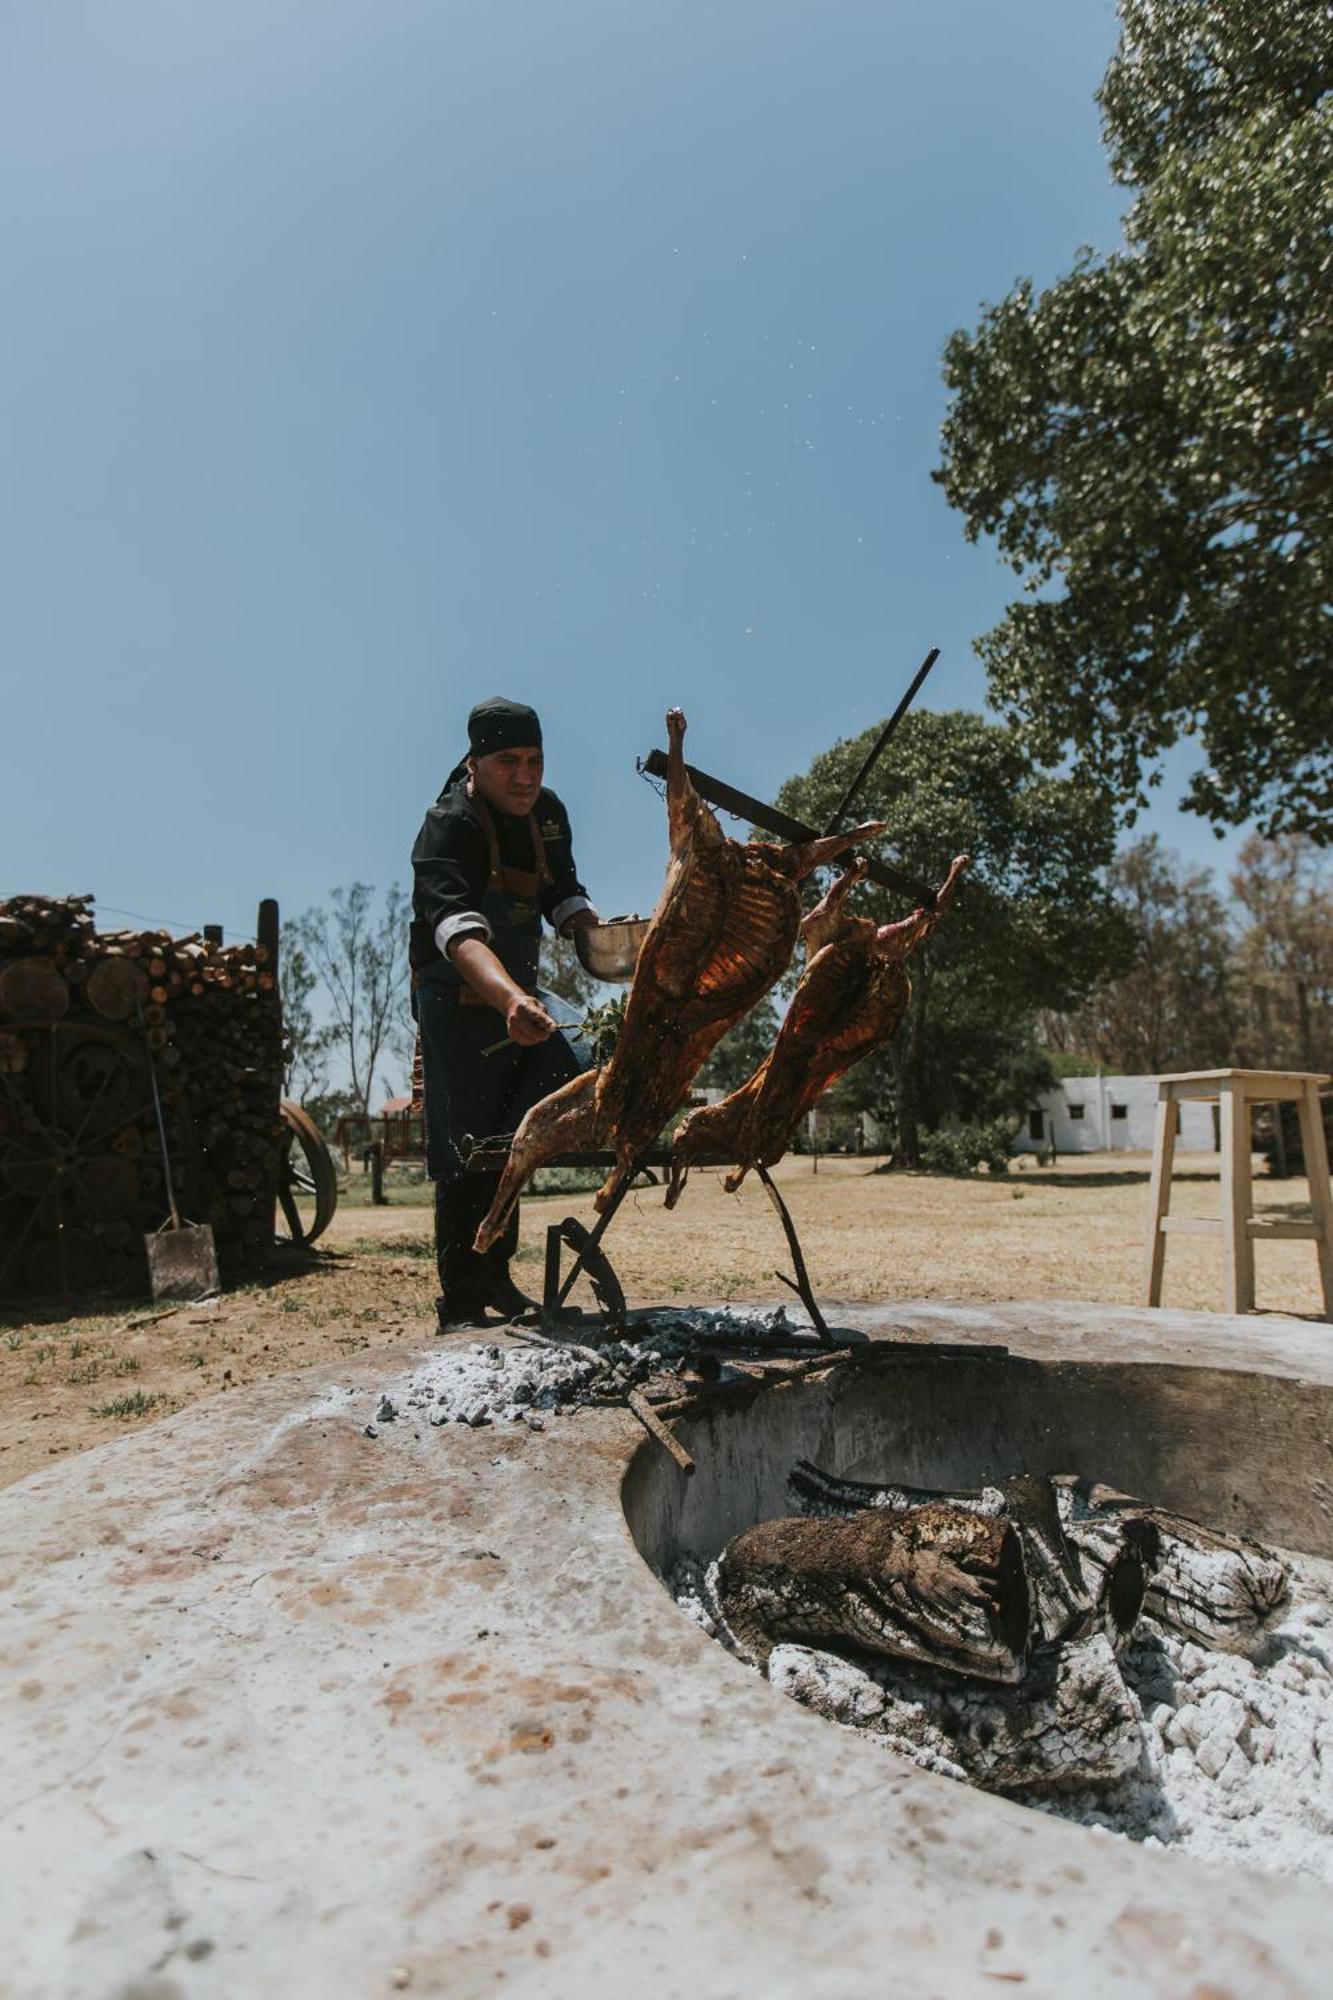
(850, 999)
(722, 935)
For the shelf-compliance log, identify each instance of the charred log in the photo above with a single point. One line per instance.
(1070, 1597)
(1199, 1583)
(813, 1491)
(1063, 1606)
(933, 1583)
(1071, 1724)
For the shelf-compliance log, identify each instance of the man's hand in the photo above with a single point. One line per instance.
(528, 1021)
(525, 1019)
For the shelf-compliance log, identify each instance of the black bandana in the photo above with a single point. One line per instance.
(498, 724)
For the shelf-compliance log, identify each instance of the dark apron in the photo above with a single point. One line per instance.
(468, 1094)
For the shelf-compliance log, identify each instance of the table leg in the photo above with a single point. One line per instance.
(1321, 1201)
(1159, 1194)
(1237, 1201)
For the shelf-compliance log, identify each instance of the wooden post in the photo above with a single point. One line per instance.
(1159, 1191)
(267, 933)
(1316, 1172)
(1237, 1199)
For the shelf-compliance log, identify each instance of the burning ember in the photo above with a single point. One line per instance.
(1057, 1642)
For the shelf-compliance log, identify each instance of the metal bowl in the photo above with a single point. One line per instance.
(611, 951)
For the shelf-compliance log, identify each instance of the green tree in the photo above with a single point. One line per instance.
(741, 1050)
(1033, 927)
(1173, 1006)
(1150, 440)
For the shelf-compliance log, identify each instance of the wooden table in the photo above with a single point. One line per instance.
(1236, 1091)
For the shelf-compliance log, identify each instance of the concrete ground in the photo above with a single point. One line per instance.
(293, 1711)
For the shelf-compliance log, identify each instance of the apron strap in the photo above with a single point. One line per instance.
(544, 875)
(517, 881)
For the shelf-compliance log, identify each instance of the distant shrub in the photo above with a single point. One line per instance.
(968, 1147)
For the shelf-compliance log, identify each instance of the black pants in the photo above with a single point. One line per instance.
(473, 1095)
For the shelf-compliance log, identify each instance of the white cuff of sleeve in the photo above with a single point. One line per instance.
(571, 906)
(450, 929)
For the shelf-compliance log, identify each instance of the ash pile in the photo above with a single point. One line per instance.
(88, 1020)
(1056, 1642)
(666, 1356)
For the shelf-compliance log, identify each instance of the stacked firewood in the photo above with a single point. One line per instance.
(89, 1020)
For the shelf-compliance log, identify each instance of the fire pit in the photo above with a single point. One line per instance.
(294, 1708)
(1217, 1742)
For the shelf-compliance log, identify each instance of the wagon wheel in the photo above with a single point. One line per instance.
(307, 1177)
(81, 1179)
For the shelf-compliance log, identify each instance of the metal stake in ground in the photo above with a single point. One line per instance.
(801, 1284)
(591, 1248)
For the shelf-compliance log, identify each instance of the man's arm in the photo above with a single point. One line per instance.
(449, 869)
(525, 1018)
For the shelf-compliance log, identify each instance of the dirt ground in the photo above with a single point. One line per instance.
(1072, 1231)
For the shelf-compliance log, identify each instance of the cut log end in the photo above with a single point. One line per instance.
(935, 1584)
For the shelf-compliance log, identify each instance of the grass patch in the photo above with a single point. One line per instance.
(389, 1246)
(137, 1405)
(567, 1180)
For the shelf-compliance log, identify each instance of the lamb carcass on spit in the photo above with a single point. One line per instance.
(850, 999)
(722, 934)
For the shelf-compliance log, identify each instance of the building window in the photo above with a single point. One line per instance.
(1120, 1111)
(1077, 1110)
(1036, 1124)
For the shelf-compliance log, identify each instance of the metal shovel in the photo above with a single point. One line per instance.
(182, 1256)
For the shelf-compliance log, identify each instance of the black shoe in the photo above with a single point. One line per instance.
(507, 1298)
(461, 1315)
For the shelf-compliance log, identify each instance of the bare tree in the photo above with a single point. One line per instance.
(1284, 957)
(358, 955)
(1174, 1005)
(561, 973)
(306, 1050)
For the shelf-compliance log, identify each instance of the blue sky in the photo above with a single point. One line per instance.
(362, 360)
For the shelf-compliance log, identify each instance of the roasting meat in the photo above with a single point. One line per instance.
(722, 934)
(850, 1000)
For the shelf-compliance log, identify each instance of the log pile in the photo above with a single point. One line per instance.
(88, 1019)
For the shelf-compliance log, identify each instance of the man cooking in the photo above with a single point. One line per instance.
(492, 859)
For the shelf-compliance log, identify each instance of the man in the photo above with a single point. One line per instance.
(492, 859)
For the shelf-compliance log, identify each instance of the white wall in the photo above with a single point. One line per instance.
(1099, 1129)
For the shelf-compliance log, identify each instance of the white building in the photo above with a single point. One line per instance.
(1110, 1114)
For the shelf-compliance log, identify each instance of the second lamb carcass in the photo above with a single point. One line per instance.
(722, 934)
(851, 997)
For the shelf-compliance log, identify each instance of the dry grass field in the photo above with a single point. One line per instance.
(1073, 1231)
